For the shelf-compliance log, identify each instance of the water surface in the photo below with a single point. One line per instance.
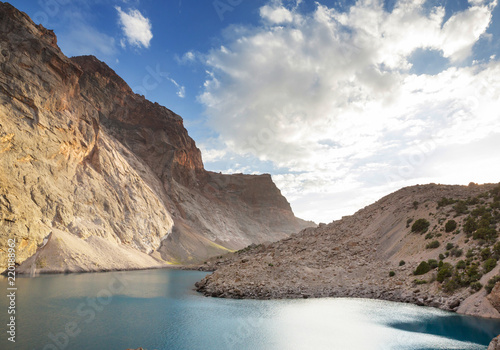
(159, 309)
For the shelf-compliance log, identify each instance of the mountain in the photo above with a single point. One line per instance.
(95, 177)
(433, 245)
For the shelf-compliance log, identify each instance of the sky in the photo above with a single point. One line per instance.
(342, 102)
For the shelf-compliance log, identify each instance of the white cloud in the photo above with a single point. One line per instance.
(136, 27)
(181, 90)
(329, 96)
(276, 14)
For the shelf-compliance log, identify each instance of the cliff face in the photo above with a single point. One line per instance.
(375, 254)
(95, 177)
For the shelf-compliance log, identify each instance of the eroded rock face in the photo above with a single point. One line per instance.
(87, 165)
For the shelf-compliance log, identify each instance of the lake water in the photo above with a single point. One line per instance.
(159, 309)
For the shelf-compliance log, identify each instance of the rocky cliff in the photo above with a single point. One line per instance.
(94, 177)
(431, 245)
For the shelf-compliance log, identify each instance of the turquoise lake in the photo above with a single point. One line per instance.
(158, 309)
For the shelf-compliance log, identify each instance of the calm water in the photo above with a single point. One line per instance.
(159, 310)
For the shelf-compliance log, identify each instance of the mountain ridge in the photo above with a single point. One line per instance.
(96, 177)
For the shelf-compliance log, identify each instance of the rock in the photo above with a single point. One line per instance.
(94, 169)
(494, 296)
(495, 344)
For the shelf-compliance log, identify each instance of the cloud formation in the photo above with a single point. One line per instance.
(136, 27)
(329, 95)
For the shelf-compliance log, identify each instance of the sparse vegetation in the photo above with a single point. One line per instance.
(491, 283)
(392, 273)
(422, 268)
(433, 245)
(421, 225)
(489, 265)
(402, 262)
(450, 226)
(443, 202)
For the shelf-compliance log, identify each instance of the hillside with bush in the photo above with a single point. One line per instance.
(433, 245)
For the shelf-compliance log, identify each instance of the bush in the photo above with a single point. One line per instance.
(418, 281)
(402, 262)
(452, 284)
(421, 225)
(450, 226)
(496, 249)
(470, 225)
(432, 263)
(392, 273)
(408, 222)
(442, 257)
(470, 253)
(422, 269)
(415, 205)
(433, 245)
(445, 201)
(489, 265)
(446, 270)
(456, 252)
(461, 265)
(485, 233)
(430, 235)
(473, 273)
(476, 286)
(449, 246)
(460, 207)
(485, 253)
(491, 283)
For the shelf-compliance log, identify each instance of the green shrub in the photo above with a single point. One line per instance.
(445, 201)
(392, 273)
(430, 235)
(470, 225)
(489, 265)
(433, 245)
(441, 257)
(446, 270)
(402, 262)
(421, 225)
(470, 253)
(456, 252)
(461, 265)
(408, 222)
(473, 273)
(485, 253)
(432, 263)
(485, 233)
(491, 283)
(476, 286)
(496, 249)
(460, 208)
(451, 285)
(418, 281)
(422, 269)
(449, 246)
(415, 205)
(450, 226)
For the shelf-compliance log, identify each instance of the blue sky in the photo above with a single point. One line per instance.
(341, 101)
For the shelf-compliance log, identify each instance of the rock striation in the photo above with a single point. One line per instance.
(95, 177)
(374, 254)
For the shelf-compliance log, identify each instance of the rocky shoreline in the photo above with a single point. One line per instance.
(375, 254)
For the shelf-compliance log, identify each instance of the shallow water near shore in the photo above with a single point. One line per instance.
(158, 309)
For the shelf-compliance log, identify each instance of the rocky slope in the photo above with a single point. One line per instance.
(95, 177)
(354, 256)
